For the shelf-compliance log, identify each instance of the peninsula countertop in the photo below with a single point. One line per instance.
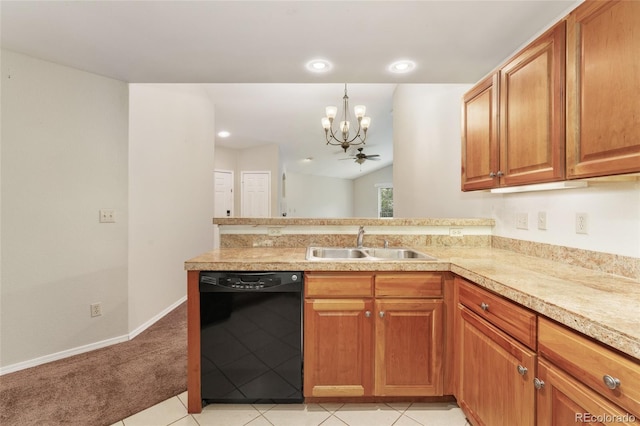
(603, 306)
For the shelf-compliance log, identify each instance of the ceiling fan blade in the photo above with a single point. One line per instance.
(372, 155)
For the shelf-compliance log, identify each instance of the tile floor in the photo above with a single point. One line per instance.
(174, 412)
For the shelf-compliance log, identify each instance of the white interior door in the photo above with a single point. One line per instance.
(255, 194)
(223, 193)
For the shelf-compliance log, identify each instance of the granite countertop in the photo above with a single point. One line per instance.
(603, 306)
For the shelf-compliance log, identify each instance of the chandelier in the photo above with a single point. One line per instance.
(342, 137)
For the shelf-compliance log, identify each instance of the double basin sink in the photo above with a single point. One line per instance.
(365, 253)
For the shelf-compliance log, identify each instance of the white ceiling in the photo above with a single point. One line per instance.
(254, 54)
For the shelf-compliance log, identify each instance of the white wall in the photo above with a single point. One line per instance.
(64, 157)
(318, 196)
(171, 148)
(365, 196)
(427, 152)
(613, 212)
(427, 183)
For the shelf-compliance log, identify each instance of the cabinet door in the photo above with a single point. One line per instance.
(338, 347)
(480, 150)
(532, 148)
(496, 375)
(409, 347)
(562, 400)
(603, 83)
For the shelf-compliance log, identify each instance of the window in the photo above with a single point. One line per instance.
(385, 200)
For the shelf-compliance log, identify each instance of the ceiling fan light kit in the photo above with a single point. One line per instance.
(343, 136)
(361, 157)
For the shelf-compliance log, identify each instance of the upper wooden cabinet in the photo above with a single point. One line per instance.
(603, 85)
(532, 112)
(480, 149)
(513, 120)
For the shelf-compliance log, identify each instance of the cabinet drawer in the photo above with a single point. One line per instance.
(516, 321)
(352, 284)
(409, 285)
(590, 362)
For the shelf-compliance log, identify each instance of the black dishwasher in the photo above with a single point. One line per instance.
(251, 336)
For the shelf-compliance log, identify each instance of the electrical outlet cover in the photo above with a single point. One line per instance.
(582, 223)
(522, 221)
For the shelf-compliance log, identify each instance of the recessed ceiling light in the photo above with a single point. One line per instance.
(224, 134)
(401, 67)
(308, 159)
(319, 65)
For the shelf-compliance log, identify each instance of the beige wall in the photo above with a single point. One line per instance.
(365, 197)
(318, 196)
(171, 150)
(64, 157)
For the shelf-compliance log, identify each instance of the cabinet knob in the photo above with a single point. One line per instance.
(610, 382)
(492, 175)
(538, 384)
(367, 314)
(522, 370)
(381, 314)
(499, 174)
(484, 306)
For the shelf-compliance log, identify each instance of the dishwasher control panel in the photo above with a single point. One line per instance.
(247, 280)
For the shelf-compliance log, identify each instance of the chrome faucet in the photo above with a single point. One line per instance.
(360, 237)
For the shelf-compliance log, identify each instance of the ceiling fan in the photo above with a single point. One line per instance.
(361, 157)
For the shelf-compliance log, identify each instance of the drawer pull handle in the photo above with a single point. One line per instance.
(367, 314)
(484, 306)
(381, 314)
(538, 384)
(610, 382)
(522, 370)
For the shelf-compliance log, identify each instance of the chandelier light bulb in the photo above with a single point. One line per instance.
(344, 127)
(331, 112)
(359, 110)
(326, 123)
(366, 121)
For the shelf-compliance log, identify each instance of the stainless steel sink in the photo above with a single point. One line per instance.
(365, 253)
(334, 253)
(397, 253)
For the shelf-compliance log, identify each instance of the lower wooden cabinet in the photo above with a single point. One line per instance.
(496, 358)
(563, 401)
(579, 376)
(496, 374)
(382, 336)
(338, 336)
(408, 347)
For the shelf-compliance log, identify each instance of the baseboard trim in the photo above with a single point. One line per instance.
(12, 368)
(62, 354)
(156, 318)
